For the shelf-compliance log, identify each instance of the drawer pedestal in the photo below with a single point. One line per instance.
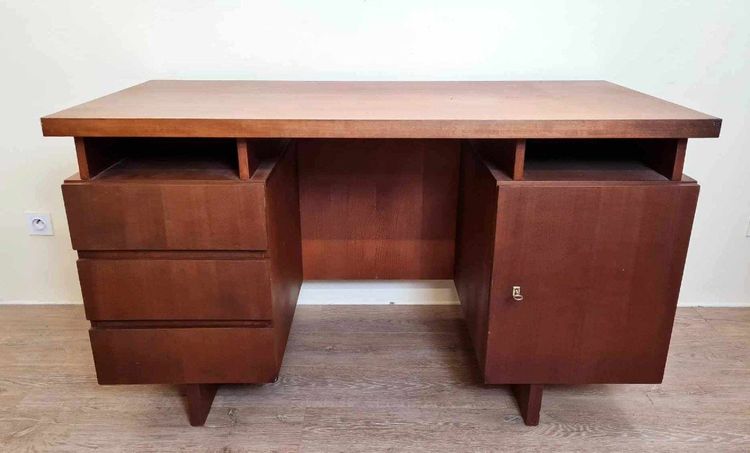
(189, 272)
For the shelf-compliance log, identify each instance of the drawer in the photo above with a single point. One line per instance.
(170, 215)
(174, 289)
(197, 355)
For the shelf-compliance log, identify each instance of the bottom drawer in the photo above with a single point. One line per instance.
(176, 355)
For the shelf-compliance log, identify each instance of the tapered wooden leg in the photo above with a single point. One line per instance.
(199, 399)
(529, 398)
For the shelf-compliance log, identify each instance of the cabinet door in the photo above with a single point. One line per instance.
(599, 269)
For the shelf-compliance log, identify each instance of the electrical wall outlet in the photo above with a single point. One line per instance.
(39, 224)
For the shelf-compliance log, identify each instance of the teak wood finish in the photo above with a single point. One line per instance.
(127, 288)
(546, 109)
(378, 209)
(599, 287)
(183, 355)
(165, 215)
(559, 208)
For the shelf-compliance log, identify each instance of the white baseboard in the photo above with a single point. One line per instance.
(40, 302)
(378, 292)
(714, 305)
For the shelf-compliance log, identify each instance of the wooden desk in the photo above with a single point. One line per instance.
(559, 209)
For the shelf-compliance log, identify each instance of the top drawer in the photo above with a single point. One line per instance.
(166, 215)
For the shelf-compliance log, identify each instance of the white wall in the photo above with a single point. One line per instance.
(55, 54)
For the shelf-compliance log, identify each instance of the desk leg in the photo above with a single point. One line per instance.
(199, 399)
(529, 398)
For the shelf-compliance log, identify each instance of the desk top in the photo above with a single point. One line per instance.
(542, 109)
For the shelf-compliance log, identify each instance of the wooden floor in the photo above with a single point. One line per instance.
(372, 378)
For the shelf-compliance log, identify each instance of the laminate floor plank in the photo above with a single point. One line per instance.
(415, 429)
(372, 378)
(379, 319)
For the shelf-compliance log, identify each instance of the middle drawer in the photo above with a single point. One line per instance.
(175, 289)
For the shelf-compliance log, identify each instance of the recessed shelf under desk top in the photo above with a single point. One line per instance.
(589, 170)
(145, 168)
(593, 160)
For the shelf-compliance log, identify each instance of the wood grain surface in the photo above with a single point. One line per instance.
(128, 288)
(527, 109)
(135, 354)
(475, 245)
(166, 215)
(372, 378)
(378, 209)
(600, 270)
(285, 249)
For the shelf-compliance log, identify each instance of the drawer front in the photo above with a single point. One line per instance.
(598, 270)
(165, 216)
(199, 355)
(174, 289)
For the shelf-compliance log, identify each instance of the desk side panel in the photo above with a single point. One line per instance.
(477, 211)
(284, 243)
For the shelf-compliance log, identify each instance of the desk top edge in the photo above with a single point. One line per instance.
(512, 109)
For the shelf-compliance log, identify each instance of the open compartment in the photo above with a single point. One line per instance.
(585, 159)
(159, 158)
(603, 160)
(116, 158)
